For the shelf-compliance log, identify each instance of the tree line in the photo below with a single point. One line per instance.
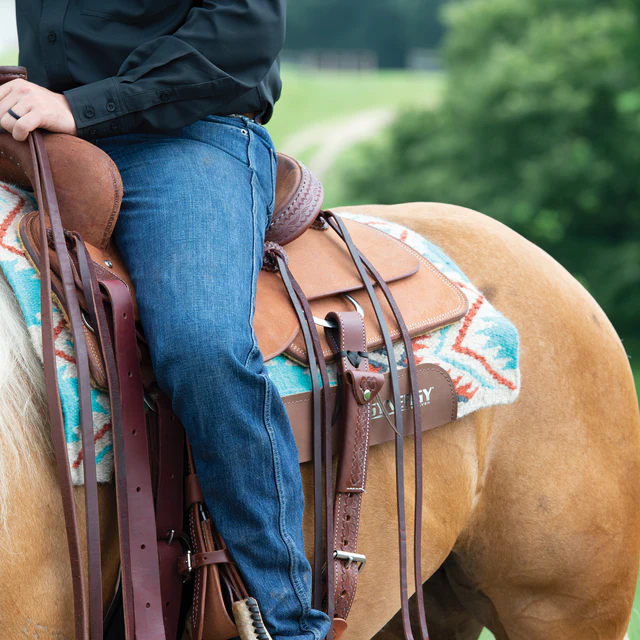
(390, 29)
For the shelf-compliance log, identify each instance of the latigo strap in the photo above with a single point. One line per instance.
(359, 387)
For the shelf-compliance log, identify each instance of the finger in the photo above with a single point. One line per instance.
(7, 122)
(13, 101)
(28, 123)
(10, 102)
(18, 86)
(6, 89)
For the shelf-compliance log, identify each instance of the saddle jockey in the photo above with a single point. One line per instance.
(177, 92)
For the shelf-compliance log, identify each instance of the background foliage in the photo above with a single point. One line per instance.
(539, 127)
(388, 28)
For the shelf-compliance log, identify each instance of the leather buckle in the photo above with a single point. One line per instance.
(350, 557)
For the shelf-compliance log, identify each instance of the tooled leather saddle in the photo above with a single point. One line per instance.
(166, 534)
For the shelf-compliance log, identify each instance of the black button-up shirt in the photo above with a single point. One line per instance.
(153, 65)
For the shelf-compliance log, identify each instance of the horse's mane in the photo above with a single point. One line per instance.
(23, 413)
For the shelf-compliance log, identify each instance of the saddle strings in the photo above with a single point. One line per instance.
(360, 261)
(417, 422)
(322, 438)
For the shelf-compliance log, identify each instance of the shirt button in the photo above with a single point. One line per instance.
(165, 95)
(93, 132)
(89, 112)
(51, 36)
(111, 106)
(114, 125)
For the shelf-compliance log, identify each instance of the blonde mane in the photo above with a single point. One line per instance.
(23, 412)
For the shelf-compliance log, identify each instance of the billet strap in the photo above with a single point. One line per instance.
(143, 611)
(338, 225)
(87, 615)
(358, 388)
(133, 476)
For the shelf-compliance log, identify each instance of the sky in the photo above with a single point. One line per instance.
(8, 37)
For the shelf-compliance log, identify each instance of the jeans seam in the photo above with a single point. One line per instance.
(289, 544)
(254, 276)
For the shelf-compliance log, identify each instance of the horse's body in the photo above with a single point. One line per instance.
(532, 514)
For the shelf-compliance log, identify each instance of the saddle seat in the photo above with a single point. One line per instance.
(89, 188)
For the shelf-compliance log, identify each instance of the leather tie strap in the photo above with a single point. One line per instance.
(359, 386)
(88, 616)
(191, 561)
(417, 422)
(338, 225)
(322, 437)
(133, 478)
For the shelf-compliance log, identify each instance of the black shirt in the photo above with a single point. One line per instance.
(153, 65)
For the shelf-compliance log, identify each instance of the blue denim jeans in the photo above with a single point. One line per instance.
(197, 202)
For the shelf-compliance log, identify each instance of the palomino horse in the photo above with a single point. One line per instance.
(531, 514)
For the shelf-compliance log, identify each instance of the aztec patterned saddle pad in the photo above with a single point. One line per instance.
(480, 352)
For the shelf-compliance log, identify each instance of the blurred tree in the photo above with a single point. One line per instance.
(539, 128)
(388, 28)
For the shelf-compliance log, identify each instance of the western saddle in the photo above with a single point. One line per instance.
(166, 533)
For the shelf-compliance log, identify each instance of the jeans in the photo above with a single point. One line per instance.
(197, 202)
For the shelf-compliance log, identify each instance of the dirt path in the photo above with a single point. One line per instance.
(328, 140)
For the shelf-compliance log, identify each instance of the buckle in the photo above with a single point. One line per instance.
(350, 557)
(332, 325)
(185, 567)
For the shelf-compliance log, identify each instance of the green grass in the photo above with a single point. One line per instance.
(310, 97)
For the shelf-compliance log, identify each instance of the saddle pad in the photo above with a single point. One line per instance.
(480, 352)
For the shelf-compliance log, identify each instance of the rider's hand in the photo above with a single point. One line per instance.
(36, 106)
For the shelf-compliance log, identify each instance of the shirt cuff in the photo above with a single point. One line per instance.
(98, 109)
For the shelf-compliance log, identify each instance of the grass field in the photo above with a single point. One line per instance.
(314, 106)
(308, 98)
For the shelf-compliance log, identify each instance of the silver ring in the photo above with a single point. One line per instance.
(13, 114)
(333, 325)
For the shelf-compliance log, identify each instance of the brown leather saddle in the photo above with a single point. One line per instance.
(318, 268)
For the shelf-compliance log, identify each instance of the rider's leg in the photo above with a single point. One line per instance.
(191, 231)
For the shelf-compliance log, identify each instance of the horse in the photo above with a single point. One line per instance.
(531, 515)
